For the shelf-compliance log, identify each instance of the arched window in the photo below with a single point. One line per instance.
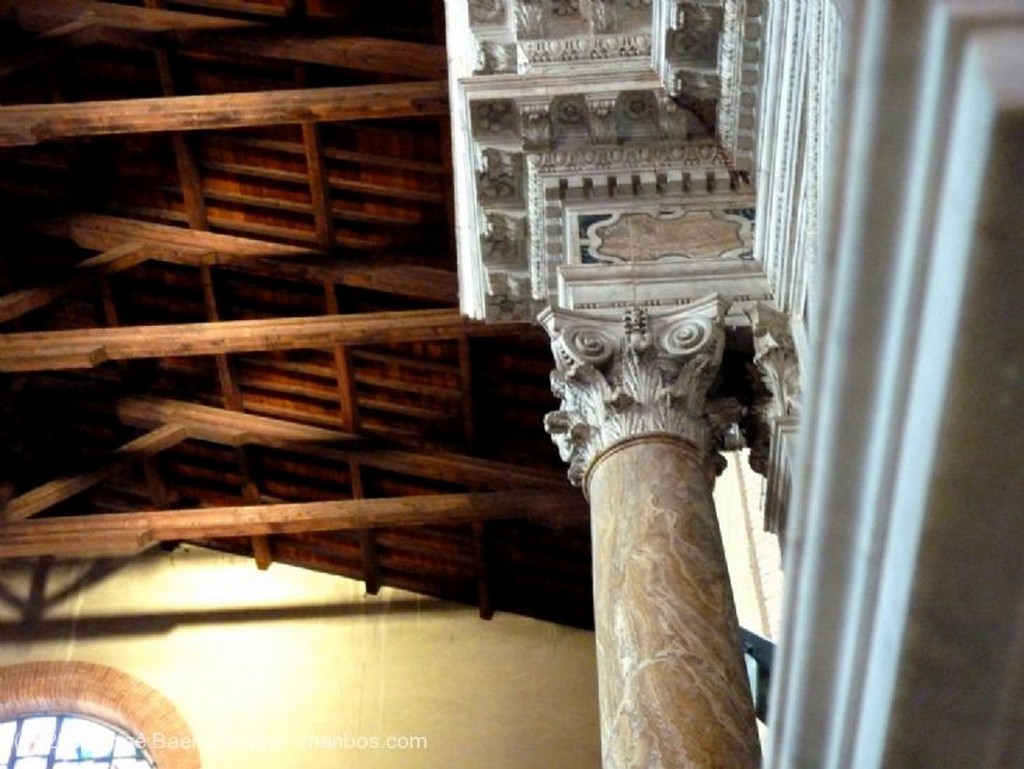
(48, 710)
(66, 741)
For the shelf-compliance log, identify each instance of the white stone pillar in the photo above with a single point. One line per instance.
(674, 691)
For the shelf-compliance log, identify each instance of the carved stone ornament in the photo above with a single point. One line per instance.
(500, 176)
(487, 11)
(495, 119)
(503, 240)
(775, 358)
(535, 119)
(601, 118)
(584, 49)
(638, 156)
(565, 9)
(531, 19)
(495, 57)
(673, 119)
(623, 378)
(604, 16)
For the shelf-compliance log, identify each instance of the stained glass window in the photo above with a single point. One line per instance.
(68, 742)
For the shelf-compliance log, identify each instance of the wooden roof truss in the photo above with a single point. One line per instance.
(228, 308)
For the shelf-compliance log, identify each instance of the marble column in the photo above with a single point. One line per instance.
(673, 685)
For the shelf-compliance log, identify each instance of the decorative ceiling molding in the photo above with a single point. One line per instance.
(644, 100)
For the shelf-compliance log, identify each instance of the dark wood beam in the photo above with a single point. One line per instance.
(155, 27)
(344, 372)
(367, 537)
(372, 54)
(60, 489)
(57, 350)
(31, 124)
(49, 45)
(100, 232)
(44, 15)
(444, 466)
(319, 188)
(262, 552)
(127, 533)
(335, 153)
(484, 596)
(17, 303)
(233, 429)
(223, 426)
(467, 399)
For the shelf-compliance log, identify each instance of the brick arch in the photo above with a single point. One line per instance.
(106, 694)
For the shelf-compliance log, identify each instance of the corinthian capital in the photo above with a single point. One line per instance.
(620, 378)
(775, 357)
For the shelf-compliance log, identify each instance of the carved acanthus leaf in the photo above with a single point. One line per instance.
(531, 20)
(619, 379)
(487, 11)
(776, 359)
(495, 57)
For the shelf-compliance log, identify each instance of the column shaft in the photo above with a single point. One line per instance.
(673, 685)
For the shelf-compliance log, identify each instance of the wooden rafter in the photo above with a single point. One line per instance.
(48, 45)
(25, 300)
(42, 15)
(447, 466)
(127, 533)
(55, 350)
(231, 393)
(31, 124)
(231, 429)
(60, 489)
(156, 27)
(100, 232)
(195, 247)
(223, 426)
(484, 594)
(319, 187)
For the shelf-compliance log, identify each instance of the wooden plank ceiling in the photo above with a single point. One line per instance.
(228, 309)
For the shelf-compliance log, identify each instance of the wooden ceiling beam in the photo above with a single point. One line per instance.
(333, 153)
(127, 533)
(100, 232)
(43, 15)
(49, 45)
(367, 54)
(49, 494)
(33, 123)
(57, 350)
(372, 54)
(448, 467)
(17, 303)
(319, 188)
(223, 426)
(232, 428)
(484, 591)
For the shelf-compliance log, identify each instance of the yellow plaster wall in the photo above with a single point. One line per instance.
(289, 668)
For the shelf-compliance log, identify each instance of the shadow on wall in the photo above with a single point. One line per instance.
(34, 589)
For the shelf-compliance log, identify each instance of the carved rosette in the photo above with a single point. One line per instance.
(623, 378)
